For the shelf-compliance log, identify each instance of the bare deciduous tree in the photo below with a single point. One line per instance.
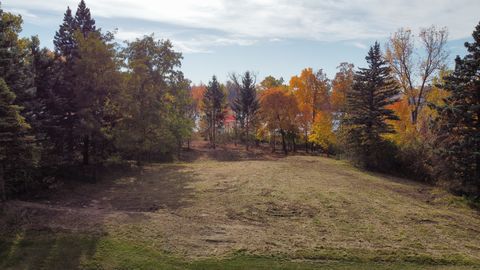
(414, 69)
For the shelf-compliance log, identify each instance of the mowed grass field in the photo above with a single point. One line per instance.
(228, 209)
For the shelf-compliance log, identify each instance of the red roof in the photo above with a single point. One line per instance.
(229, 119)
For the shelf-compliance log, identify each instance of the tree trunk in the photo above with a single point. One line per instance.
(213, 137)
(236, 132)
(284, 144)
(214, 126)
(179, 149)
(294, 144)
(70, 155)
(274, 142)
(477, 176)
(247, 139)
(3, 192)
(86, 146)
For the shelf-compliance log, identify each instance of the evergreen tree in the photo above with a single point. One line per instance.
(68, 92)
(64, 40)
(458, 122)
(16, 94)
(46, 116)
(83, 20)
(246, 106)
(14, 67)
(64, 108)
(13, 144)
(373, 90)
(214, 107)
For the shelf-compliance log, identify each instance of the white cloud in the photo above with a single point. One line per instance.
(200, 43)
(24, 12)
(359, 45)
(245, 22)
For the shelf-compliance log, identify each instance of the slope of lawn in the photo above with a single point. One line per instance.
(228, 209)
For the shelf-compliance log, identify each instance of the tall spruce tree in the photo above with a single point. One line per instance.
(64, 40)
(46, 116)
(214, 107)
(14, 152)
(373, 90)
(15, 94)
(83, 20)
(65, 108)
(14, 68)
(70, 94)
(246, 106)
(458, 122)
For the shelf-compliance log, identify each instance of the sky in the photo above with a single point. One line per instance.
(267, 37)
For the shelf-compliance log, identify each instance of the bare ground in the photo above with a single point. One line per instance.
(227, 200)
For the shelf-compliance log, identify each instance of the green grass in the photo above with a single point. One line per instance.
(37, 250)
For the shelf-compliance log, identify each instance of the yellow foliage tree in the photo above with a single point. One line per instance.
(322, 132)
(407, 132)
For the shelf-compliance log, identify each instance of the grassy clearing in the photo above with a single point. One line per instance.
(297, 212)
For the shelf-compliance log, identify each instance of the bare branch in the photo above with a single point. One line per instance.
(400, 54)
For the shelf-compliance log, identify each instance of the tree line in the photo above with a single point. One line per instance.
(89, 101)
(92, 101)
(405, 113)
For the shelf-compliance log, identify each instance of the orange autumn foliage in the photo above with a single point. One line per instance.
(341, 85)
(312, 93)
(197, 93)
(278, 108)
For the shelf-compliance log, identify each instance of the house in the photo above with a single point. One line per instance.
(229, 123)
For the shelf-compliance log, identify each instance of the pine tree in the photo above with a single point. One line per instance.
(69, 94)
(64, 109)
(64, 40)
(214, 106)
(246, 106)
(458, 123)
(12, 138)
(83, 20)
(373, 90)
(46, 117)
(13, 65)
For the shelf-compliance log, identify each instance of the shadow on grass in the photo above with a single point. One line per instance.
(36, 250)
(146, 189)
(65, 229)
